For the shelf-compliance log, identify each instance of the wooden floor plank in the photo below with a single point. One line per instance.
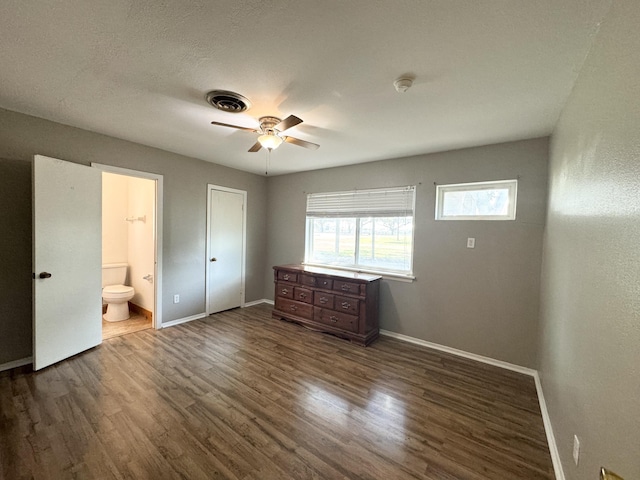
(242, 396)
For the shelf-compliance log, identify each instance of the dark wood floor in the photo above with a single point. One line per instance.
(242, 396)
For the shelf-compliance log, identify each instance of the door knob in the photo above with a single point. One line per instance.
(214, 259)
(44, 275)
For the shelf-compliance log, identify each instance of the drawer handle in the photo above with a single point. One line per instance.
(346, 305)
(286, 276)
(303, 295)
(333, 318)
(293, 308)
(323, 300)
(285, 291)
(325, 283)
(345, 287)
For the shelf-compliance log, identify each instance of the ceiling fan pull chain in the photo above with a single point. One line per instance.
(266, 167)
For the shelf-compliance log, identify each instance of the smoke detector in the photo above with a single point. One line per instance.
(228, 101)
(403, 84)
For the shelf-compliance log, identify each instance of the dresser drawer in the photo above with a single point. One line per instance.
(347, 305)
(335, 319)
(322, 299)
(346, 287)
(308, 280)
(287, 276)
(303, 295)
(284, 290)
(318, 282)
(325, 283)
(292, 307)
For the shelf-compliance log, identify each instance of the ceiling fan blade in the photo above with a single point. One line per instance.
(235, 126)
(301, 143)
(256, 147)
(290, 121)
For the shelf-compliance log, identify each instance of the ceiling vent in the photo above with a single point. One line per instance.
(228, 101)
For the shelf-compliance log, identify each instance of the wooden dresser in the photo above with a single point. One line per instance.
(333, 301)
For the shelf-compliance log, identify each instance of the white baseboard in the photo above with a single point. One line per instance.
(183, 320)
(461, 353)
(16, 364)
(258, 302)
(551, 440)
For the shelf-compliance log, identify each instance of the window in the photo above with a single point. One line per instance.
(365, 230)
(477, 201)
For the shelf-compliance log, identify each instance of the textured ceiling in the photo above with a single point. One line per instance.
(485, 72)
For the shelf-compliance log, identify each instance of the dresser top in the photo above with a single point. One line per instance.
(367, 277)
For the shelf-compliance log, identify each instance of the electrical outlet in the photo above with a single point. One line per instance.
(176, 298)
(471, 242)
(576, 449)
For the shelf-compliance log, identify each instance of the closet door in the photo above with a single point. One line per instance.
(225, 272)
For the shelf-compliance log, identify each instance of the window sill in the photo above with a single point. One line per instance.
(399, 277)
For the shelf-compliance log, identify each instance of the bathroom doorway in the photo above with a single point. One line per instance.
(130, 237)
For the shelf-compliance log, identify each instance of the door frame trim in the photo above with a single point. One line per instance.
(207, 280)
(157, 274)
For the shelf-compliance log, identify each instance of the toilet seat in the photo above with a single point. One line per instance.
(117, 291)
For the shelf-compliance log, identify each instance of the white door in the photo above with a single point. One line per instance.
(67, 259)
(225, 272)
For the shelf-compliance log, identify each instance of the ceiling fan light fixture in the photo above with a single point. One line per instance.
(270, 141)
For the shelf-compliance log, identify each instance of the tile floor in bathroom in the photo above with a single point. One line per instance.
(134, 324)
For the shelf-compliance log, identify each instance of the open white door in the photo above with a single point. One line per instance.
(225, 273)
(67, 259)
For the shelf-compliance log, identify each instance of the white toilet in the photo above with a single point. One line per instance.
(115, 293)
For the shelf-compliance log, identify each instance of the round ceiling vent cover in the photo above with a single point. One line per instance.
(228, 101)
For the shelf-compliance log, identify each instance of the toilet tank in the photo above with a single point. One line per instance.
(114, 274)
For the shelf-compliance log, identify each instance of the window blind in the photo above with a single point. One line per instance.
(380, 202)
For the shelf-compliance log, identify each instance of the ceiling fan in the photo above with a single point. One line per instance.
(270, 132)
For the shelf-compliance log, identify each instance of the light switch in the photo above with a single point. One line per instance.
(471, 242)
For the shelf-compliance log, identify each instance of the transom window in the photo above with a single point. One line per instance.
(477, 201)
(364, 230)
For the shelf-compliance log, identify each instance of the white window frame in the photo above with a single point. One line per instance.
(512, 186)
(361, 212)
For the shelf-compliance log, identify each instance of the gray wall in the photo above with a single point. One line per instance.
(15, 260)
(590, 311)
(184, 229)
(483, 300)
